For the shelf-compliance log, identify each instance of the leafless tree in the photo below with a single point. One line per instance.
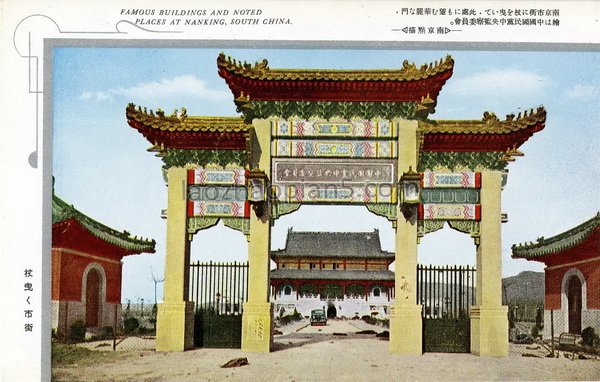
(156, 280)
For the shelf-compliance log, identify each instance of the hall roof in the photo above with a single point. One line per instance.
(332, 244)
(180, 131)
(66, 218)
(410, 83)
(585, 236)
(322, 274)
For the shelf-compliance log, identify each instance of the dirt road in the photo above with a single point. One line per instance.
(310, 355)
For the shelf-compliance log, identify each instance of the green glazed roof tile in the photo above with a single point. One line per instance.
(62, 211)
(558, 243)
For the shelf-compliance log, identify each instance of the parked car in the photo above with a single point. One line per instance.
(523, 339)
(318, 317)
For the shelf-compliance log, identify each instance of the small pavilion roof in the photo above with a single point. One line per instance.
(64, 213)
(555, 245)
(332, 244)
(322, 274)
(181, 131)
(488, 134)
(410, 83)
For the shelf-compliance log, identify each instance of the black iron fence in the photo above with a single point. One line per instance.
(446, 294)
(446, 291)
(219, 288)
(219, 291)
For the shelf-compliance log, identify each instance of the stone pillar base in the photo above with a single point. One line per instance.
(489, 331)
(406, 330)
(175, 326)
(257, 327)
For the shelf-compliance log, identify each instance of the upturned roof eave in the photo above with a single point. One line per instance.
(262, 72)
(559, 243)
(63, 212)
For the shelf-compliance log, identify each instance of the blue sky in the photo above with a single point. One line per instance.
(102, 167)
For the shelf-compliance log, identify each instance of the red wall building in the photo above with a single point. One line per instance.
(572, 261)
(87, 268)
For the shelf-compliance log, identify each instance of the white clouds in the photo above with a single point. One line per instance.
(498, 83)
(188, 86)
(581, 92)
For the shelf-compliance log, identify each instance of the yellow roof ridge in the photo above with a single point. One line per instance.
(180, 121)
(261, 71)
(489, 124)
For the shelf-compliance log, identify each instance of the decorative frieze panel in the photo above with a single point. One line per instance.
(354, 138)
(461, 161)
(219, 209)
(181, 157)
(217, 192)
(329, 180)
(354, 128)
(465, 179)
(450, 211)
(300, 148)
(433, 195)
(303, 109)
(227, 176)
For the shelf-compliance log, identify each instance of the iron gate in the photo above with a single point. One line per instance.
(218, 291)
(446, 294)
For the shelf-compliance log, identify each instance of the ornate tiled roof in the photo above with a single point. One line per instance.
(558, 243)
(261, 71)
(62, 213)
(321, 274)
(181, 131)
(488, 134)
(410, 83)
(332, 244)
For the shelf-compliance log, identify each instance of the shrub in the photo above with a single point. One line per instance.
(106, 333)
(369, 320)
(589, 336)
(130, 324)
(77, 331)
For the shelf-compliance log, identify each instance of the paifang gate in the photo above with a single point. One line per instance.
(312, 136)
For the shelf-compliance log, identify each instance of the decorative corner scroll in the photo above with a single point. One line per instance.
(388, 211)
(471, 227)
(198, 223)
(280, 209)
(238, 224)
(427, 226)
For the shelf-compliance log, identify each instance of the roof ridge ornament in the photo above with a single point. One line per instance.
(261, 70)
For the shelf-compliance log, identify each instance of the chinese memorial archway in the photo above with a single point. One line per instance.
(335, 137)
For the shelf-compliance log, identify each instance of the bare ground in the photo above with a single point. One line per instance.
(310, 355)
